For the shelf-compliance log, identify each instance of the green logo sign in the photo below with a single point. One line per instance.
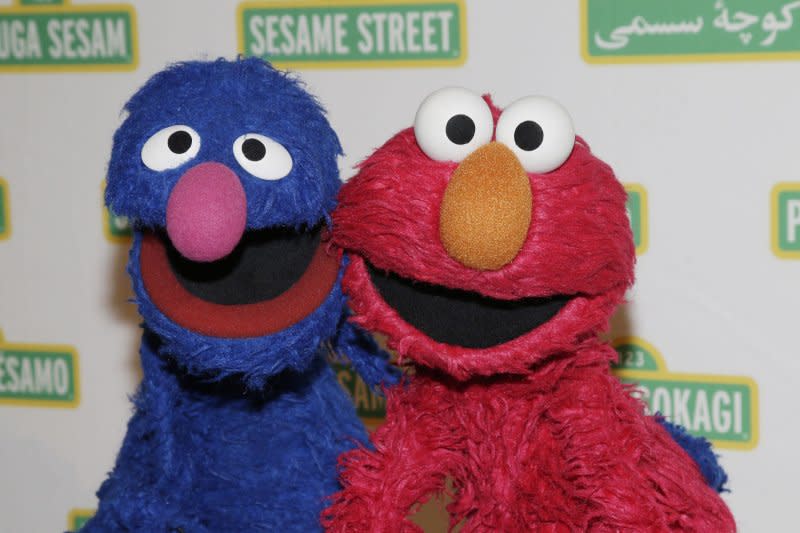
(41, 2)
(5, 211)
(371, 407)
(117, 228)
(637, 213)
(786, 220)
(39, 375)
(46, 36)
(78, 517)
(354, 34)
(689, 30)
(713, 410)
(635, 354)
(724, 409)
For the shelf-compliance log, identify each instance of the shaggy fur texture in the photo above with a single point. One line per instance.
(232, 434)
(535, 433)
(701, 451)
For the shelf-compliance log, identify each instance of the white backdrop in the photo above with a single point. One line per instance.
(707, 140)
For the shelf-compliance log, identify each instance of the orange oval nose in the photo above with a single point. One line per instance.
(486, 209)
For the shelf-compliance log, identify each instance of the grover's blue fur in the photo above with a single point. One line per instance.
(232, 435)
(701, 451)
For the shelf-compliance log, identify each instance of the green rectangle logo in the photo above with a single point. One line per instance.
(117, 228)
(786, 220)
(634, 355)
(78, 518)
(41, 2)
(636, 207)
(724, 409)
(5, 222)
(689, 30)
(354, 34)
(86, 37)
(718, 411)
(29, 375)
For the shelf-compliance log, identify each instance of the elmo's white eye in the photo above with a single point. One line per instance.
(451, 123)
(170, 147)
(539, 131)
(262, 157)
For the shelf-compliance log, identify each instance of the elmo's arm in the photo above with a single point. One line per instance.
(410, 461)
(625, 467)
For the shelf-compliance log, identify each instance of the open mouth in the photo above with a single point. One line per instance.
(274, 278)
(462, 318)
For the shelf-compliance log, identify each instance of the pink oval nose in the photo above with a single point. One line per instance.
(206, 212)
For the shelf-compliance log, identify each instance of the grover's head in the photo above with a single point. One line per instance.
(484, 241)
(228, 171)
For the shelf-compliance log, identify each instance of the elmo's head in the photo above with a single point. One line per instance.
(483, 240)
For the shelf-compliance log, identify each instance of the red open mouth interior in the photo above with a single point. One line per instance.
(273, 279)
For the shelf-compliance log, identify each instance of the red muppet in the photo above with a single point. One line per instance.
(491, 248)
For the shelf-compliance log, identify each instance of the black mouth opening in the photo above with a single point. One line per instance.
(463, 318)
(264, 265)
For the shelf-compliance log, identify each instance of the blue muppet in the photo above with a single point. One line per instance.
(229, 171)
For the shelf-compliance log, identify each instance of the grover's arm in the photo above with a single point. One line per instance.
(368, 359)
(701, 451)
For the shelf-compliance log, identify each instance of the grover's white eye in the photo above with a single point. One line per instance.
(170, 147)
(262, 157)
(451, 123)
(539, 131)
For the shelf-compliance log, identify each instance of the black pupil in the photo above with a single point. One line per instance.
(179, 142)
(460, 129)
(528, 135)
(254, 150)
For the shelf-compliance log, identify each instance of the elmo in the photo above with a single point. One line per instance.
(491, 248)
(228, 171)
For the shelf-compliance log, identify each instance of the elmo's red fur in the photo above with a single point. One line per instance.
(535, 433)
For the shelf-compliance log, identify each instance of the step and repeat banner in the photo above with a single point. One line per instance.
(693, 102)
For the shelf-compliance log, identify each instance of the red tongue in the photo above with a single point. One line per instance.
(206, 212)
